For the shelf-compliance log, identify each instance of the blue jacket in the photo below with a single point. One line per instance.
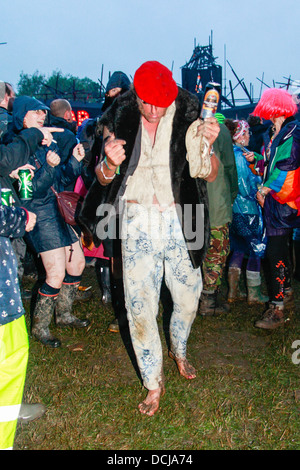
(248, 183)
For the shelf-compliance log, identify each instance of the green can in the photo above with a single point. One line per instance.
(25, 185)
(6, 197)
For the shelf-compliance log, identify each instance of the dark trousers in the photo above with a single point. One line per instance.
(278, 258)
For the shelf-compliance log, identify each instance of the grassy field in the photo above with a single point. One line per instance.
(246, 395)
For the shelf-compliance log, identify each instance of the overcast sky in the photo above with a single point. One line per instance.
(77, 36)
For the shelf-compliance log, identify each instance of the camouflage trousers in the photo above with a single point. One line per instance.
(216, 256)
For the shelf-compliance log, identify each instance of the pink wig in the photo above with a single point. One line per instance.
(275, 102)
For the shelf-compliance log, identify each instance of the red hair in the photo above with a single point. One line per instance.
(275, 102)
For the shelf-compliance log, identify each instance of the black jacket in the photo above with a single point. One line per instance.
(50, 231)
(66, 141)
(16, 154)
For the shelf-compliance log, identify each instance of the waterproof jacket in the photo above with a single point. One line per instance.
(282, 204)
(50, 231)
(246, 230)
(16, 154)
(248, 184)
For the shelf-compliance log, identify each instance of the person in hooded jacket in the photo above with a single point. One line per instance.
(117, 84)
(28, 140)
(55, 241)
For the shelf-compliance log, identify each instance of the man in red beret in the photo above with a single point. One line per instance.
(154, 142)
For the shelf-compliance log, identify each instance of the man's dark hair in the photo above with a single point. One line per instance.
(253, 120)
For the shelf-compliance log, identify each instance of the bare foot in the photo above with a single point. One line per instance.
(185, 368)
(151, 403)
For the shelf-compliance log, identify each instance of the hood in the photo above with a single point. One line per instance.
(21, 106)
(55, 121)
(118, 80)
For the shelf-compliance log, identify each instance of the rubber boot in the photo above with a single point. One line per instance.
(64, 306)
(41, 320)
(210, 305)
(104, 275)
(254, 288)
(234, 293)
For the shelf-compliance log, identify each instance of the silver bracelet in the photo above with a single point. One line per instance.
(105, 177)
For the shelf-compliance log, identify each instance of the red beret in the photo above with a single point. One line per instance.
(154, 84)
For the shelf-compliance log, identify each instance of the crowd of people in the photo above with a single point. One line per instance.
(144, 167)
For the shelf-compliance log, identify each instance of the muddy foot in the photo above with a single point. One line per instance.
(151, 403)
(185, 368)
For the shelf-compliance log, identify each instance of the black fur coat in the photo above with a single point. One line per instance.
(123, 118)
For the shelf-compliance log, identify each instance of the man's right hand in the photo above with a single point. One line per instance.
(114, 152)
(47, 132)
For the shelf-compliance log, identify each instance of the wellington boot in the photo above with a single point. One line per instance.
(255, 296)
(41, 320)
(234, 293)
(105, 284)
(64, 306)
(254, 288)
